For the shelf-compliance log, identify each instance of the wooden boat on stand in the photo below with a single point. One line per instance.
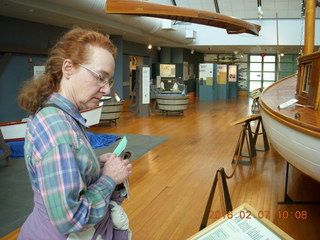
(290, 110)
(232, 25)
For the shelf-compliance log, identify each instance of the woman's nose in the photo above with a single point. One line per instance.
(105, 89)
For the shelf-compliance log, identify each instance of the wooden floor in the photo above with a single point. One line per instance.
(171, 183)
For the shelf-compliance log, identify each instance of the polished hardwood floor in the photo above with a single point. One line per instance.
(171, 183)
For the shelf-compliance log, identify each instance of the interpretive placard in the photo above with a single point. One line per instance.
(243, 223)
(167, 70)
(145, 85)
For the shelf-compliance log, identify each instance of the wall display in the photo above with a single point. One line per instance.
(206, 73)
(240, 58)
(185, 71)
(242, 223)
(226, 58)
(145, 85)
(158, 81)
(211, 57)
(38, 71)
(242, 76)
(191, 71)
(222, 74)
(167, 70)
(232, 77)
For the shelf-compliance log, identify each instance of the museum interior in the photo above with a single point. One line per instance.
(219, 102)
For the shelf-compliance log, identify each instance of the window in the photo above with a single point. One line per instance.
(306, 78)
(262, 71)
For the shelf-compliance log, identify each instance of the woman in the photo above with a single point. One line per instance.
(73, 189)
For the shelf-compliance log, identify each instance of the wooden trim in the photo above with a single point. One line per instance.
(299, 125)
(139, 8)
(243, 120)
(12, 123)
(88, 110)
(288, 122)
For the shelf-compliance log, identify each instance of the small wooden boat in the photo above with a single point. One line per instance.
(141, 8)
(294, 130)
(172, 103)
(15, 131)
(92, 116)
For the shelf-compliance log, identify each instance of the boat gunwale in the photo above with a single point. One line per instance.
(288, 121)
(147, 9)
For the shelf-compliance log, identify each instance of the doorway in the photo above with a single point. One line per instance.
(262, 71)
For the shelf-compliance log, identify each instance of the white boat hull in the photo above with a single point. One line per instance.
(92, 116)
(299, 149)
(15, 131)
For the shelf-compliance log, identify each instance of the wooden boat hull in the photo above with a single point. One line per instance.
(15, 131)
(299, 149)
(92, 115)
(141, 8)
(296, 139)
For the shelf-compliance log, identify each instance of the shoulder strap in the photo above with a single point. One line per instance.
(56, 106)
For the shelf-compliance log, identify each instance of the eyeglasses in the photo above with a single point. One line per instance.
(101, 80)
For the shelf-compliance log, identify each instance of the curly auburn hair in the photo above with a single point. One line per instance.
(73, 45)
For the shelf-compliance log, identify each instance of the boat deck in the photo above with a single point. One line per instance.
(282, 91)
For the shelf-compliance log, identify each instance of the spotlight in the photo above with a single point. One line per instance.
(149, 46)
(260, 12)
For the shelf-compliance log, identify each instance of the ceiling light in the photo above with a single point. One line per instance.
(159, 48)
(192, 51)
(260, 12)
(149, 46)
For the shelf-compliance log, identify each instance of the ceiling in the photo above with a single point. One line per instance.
(66, 13)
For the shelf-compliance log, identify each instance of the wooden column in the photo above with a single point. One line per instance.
(309, 26)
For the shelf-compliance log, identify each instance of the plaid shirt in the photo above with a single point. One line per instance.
(64, 168)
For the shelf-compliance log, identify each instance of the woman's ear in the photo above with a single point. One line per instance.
(67, 68)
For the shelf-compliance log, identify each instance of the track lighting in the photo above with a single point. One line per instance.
(260, 12)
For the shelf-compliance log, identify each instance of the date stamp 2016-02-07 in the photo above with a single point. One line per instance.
(246, 214)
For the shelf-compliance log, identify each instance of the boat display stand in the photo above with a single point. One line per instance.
(220, 175)
(6, 151)
(172, 103)
(287, 199)
(111, 111)
(250, 137)
(255, 95)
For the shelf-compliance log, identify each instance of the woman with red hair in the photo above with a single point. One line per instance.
(75, 192)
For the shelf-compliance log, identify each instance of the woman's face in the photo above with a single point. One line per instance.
(87, 88)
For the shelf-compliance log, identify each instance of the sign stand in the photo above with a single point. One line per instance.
(143, 91)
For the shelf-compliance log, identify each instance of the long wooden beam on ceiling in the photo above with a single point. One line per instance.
(139, 8)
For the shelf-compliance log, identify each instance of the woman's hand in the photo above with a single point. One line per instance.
(115, 168)
(104, 157)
